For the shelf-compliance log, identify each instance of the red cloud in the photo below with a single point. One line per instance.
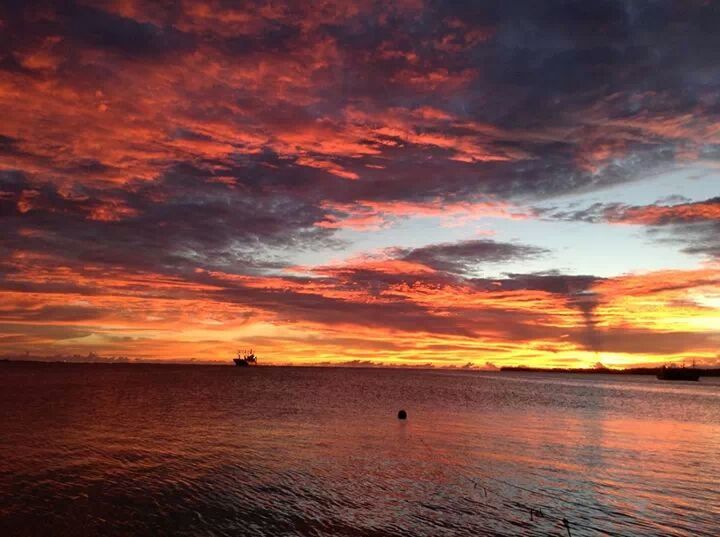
(365, 215)
(664, 214)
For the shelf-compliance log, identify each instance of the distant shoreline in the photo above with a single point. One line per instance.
(324, 365)
(704, 372)
(61, 361)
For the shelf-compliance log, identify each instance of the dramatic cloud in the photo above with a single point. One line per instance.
(464, 257)
(324, 178)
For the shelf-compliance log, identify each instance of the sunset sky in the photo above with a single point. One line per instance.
(483, 183)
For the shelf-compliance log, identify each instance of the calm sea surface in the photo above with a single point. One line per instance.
(195, 450)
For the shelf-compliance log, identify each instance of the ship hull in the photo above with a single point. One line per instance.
(679, 374)
(240, 362)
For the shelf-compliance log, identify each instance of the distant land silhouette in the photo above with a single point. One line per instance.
(704, 372)
(93, 358)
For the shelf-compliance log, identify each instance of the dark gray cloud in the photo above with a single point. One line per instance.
(466, 257)
(549, 281)
(194, 224)
(701, 238)
(637, 341)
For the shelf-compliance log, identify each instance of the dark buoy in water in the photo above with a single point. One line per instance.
(402, 415)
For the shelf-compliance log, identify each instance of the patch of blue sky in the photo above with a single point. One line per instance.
(692, 182)
(573, 247)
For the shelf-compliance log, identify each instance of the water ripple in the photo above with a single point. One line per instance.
(163, 450)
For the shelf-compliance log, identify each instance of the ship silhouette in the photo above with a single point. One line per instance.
(678, 373)
(245, 359)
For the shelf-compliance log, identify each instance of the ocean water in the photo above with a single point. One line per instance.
(209, 450)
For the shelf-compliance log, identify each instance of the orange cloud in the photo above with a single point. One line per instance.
(659, 214)
(206, 316)
(368, 215)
